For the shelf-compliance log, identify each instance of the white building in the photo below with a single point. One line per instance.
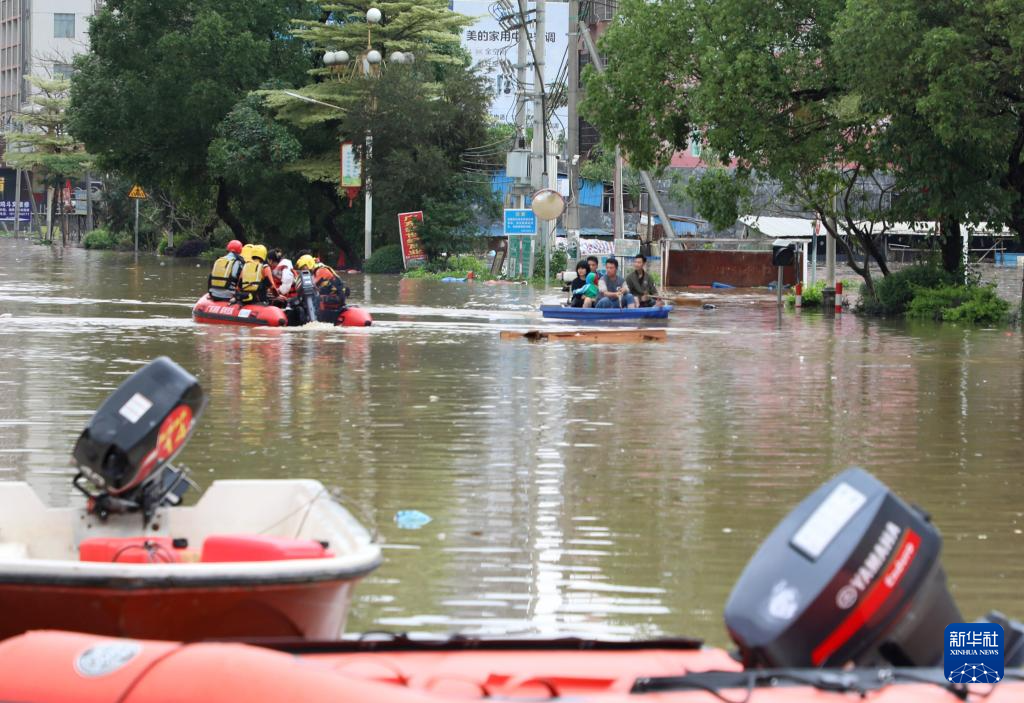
(38, 37)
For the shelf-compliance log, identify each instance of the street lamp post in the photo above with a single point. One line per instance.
(371, 61)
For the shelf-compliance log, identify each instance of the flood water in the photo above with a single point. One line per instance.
(612, 490)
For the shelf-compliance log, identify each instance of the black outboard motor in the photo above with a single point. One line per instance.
(308, 298)
(851, 575)
(125, 450)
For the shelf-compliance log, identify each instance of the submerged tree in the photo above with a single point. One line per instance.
(44, 145)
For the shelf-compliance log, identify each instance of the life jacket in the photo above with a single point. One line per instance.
(224, 276)
(251, 286)
(330, 287)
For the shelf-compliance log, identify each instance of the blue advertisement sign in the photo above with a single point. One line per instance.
(974, 653)
(520, 223)
(7, 211)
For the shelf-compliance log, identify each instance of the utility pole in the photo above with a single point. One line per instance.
(538, 174)
(572, 215)
(522, 61)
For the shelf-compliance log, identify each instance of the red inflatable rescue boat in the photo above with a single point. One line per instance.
(62, 666)
(219, 312)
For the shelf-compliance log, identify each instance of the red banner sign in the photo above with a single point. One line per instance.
(407, 223)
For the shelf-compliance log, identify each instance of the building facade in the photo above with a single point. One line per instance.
(40, 38)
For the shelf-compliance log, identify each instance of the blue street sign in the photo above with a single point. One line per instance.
(522, 223)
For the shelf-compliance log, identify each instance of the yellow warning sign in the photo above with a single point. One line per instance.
(137, 192)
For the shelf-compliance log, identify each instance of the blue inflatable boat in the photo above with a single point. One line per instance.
(562, 312)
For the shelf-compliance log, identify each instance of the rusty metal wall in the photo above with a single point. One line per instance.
(743, 269)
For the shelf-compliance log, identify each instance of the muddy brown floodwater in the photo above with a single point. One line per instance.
(600, 489)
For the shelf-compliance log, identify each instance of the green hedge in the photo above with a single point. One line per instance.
(102, 239)
(386, 259)
(894, 293)
(977, 305)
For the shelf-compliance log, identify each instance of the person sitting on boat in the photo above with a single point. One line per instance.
(593, 263)
(227, 270)
(329, 285)
(257, 282)
(640, 284)
(589, 292)
(614, 293)
(283, 273)
(577, 284)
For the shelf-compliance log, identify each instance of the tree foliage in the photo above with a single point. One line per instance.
(160, 77)
(44, 144)
(863, 112)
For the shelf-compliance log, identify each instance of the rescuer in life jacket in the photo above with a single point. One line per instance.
(256, 284)
(283, 272)
(329, 285)
(226, 273)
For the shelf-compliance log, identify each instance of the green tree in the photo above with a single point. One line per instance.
(44, 144)
(160, 77)
(945, 84)
(423, 117)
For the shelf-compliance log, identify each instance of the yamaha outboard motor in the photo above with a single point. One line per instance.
(125, 450)
(851, 575)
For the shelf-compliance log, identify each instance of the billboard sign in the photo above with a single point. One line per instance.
(494, 51)
(411, 251)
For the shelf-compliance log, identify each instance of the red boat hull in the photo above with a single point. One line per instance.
(306, 610)
(215, 312)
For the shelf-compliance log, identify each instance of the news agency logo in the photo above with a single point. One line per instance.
(974, 653)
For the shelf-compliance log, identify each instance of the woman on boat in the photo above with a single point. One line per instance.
(577, 284)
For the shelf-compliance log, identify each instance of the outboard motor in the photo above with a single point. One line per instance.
(851, 575)
(125, 450)
(308, 298)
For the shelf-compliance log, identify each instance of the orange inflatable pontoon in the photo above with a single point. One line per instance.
(53, 667)
(217, 312)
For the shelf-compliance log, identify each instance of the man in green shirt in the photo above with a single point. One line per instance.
(640, 284)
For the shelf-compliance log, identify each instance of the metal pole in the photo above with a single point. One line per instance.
(136, 225)
(88, 201)
(17, 202)
(619, 227)
(540, 167)
(572, 216)
(516, 244)
(778, 289)
(368, 192)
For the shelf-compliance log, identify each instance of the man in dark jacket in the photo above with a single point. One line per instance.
(640, 284)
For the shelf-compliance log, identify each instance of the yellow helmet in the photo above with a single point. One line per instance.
(259, 252)
(247, 252)
(306, 262)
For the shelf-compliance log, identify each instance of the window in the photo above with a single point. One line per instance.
(63, 70)
(63, 25)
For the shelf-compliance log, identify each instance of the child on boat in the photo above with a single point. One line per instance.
(589, 291)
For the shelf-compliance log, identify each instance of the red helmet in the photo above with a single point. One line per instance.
(235, 246)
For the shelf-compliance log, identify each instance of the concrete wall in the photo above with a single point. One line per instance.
(743, 269)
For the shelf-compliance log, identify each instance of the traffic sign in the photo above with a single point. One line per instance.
(137, 192)
(520, 222)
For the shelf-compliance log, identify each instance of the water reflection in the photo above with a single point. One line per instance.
(606, 489)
